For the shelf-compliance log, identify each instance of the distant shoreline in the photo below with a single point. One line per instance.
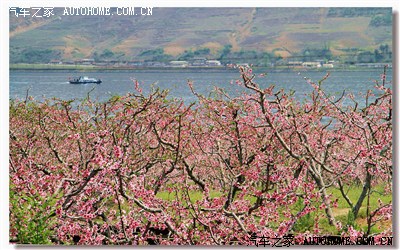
(92, 68)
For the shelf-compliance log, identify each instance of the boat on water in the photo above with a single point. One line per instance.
(84, 80)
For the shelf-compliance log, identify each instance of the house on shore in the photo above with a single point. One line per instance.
(55, 62)
(311, 65)
(198, 62)
(178, 64)
(213, 63)
(86, 61)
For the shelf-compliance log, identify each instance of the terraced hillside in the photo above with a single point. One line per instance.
(283, 31)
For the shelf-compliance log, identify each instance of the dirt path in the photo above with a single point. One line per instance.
(340, 211)
(22, 29)
(244, 31)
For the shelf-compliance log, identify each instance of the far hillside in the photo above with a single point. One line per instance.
(263, 35)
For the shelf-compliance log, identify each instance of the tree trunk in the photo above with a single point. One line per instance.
(364, 192)
(321, 186)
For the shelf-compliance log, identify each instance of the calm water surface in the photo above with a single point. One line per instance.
(47, 84)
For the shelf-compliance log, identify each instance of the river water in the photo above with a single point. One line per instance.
(48, 84)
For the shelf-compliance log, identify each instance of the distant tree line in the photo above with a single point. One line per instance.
(356, 12)
(226, 55)
(106, 55)
(31, 55)
(380, 16)
(247, 56)
(311, 54)
(381, 20)
(189, 54)
(383, 54)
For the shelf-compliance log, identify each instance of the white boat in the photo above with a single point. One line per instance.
(84, 80)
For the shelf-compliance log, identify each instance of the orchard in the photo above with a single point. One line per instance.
(146, 169)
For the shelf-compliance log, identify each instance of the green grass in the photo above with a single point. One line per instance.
(194, 196)
(355, 192)
(343, 209)
(306, 223)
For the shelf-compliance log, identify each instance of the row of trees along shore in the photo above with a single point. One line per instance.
(145, 169)
(226, 55)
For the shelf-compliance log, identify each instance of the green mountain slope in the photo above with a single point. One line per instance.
(172, 31)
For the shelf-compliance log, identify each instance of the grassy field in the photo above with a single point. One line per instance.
(341, 212)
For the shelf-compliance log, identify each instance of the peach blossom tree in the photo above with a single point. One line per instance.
(144, 169)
